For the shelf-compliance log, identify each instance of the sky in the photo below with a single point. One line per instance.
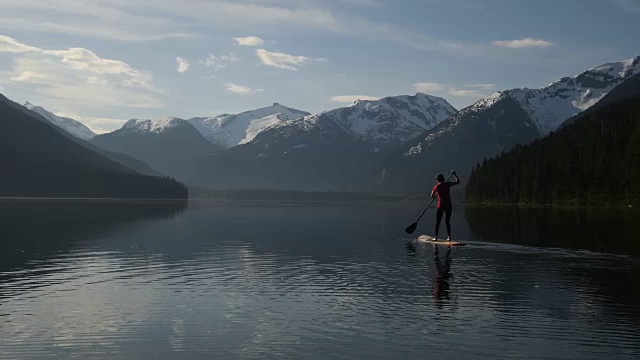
(103, 62)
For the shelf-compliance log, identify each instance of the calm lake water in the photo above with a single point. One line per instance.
(315, 281)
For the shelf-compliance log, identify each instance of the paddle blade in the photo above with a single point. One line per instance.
(411, 228)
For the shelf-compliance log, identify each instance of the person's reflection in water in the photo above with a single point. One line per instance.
(443, 272)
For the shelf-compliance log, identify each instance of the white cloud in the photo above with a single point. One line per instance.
(28, 77)
(249, 41)
(466, 93)
(183, 65)
(239, 89)
(523, 43)
(10, 45)
(352, 98)
(77, 77)
(475, 91)
(113, 20)
(482, 86)
(85, 60)
(219, 62)
(429, 87)
(148, 20)
(284, 61)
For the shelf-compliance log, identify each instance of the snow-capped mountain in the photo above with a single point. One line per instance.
(497, 123)
(386, 122)
(550, 106)
(229, 130)
(170, 145)
(142, 126)
(325, 151)
(72, 126)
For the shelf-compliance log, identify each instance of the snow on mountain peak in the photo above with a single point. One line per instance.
(623, 68)
(153, 126)
(391, 120)
(231, 130)
(550, 106)
(71, 126)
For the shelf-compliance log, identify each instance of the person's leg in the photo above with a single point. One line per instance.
(438, 220)
(448, 221)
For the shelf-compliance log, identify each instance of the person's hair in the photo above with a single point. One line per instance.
(440, 178)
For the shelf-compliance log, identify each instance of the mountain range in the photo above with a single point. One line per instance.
(396, 144)
(594, 159)
(228, 130)
(73, 127)
(496, 124)
(170, 145)
(326, 151)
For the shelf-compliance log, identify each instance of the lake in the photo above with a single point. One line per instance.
(315, 281)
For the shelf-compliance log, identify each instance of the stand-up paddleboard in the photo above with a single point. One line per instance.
(432, 240)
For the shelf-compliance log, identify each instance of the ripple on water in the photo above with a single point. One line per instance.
(230, 299)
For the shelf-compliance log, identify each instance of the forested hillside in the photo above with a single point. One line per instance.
(595, 160)
(38, 159)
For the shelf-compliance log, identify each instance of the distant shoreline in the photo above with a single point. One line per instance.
(558, 206)
(109, 200)
(244, 196)
(310, 197)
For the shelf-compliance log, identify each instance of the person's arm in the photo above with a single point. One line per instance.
(457, 182)
(433, 192)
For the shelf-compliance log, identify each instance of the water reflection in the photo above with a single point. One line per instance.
(443, 271)
(614, 230)
(36, 230)
(305, 281)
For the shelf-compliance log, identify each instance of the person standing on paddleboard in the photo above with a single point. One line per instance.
(445, 207)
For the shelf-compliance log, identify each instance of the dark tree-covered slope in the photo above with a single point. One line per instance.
(595, 160)
(39, 160)
(171, 146)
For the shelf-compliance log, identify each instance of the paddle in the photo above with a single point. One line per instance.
(411, 228)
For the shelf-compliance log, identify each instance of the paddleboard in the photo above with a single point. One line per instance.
(432, 240)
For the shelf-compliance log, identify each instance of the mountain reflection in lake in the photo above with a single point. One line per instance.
(314, 281)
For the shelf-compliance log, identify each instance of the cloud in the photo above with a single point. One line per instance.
(428, 87)
(149, 20)
(10, 45)
(249, 41)
(352, 98)
(476, 91)
(239, 89)
(284, 61)
(28, 77)
(466, 93)
(78, 77)
(115, 20)
(523, 43)
(366, 3)
(99, 125)
(219, 62)
(483, 86)
(183, 65)
(629, 5)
